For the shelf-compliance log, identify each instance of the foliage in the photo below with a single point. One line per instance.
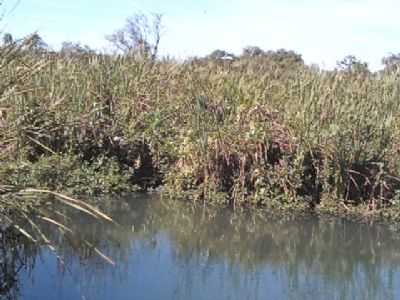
(391, 62)
(74, 49)
(252, 51)
(140, 36)
(264, 130)
(66, 173)
(220, 54)
(350, 63)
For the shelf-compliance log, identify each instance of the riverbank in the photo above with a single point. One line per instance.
(254, 132)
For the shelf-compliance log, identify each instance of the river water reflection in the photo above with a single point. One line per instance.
(171, 250)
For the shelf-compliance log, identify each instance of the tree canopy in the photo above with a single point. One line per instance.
(140, 36)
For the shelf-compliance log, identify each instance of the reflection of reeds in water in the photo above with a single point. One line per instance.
(17, 254)
(332, 253)
(337, 251)
(26, 212)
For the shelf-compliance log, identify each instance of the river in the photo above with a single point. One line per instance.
(165, 249)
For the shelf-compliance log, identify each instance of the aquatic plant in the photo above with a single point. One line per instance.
(259, 130)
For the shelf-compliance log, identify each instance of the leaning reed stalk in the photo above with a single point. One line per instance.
(250, 132)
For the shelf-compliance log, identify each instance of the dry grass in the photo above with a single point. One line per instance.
(251, 132)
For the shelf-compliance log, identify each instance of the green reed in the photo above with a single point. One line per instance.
(249, 132)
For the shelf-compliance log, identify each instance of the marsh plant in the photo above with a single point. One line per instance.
(259, 130)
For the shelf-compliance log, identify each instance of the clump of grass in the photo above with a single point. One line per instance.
(71, 175)
(31, 138)
(242, 162)
(255, 131)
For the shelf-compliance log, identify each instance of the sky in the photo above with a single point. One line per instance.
(323, 31)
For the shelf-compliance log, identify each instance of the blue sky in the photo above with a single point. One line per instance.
(323, 31)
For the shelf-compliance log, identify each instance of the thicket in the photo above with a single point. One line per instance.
(259, 130)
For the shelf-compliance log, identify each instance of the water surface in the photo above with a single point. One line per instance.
(171, 250)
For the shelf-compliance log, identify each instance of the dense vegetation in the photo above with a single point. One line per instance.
(262, 129)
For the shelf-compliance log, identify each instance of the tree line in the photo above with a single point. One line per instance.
(141, 35)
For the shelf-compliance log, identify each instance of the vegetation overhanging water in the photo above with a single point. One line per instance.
(261, 130)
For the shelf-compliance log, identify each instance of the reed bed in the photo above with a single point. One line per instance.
(251, 132)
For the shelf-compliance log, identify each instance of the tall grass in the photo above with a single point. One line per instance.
(250, 132)
(28, 133)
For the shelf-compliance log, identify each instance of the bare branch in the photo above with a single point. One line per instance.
(139, 37)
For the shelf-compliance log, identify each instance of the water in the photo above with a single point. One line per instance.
(170, 250)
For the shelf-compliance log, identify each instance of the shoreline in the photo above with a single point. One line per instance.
(245, 133)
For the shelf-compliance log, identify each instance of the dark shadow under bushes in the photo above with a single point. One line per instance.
(370, 182)
(254, 131)
(267, 173)
(56, 149)
(133, 157)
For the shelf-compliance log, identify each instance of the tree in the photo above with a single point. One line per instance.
(140, 36)
(35, 43)
(75, 49)
(7, 39)
(252, 51)
(285, 57)
(220, 54)
(391, 62)
(351, 64)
